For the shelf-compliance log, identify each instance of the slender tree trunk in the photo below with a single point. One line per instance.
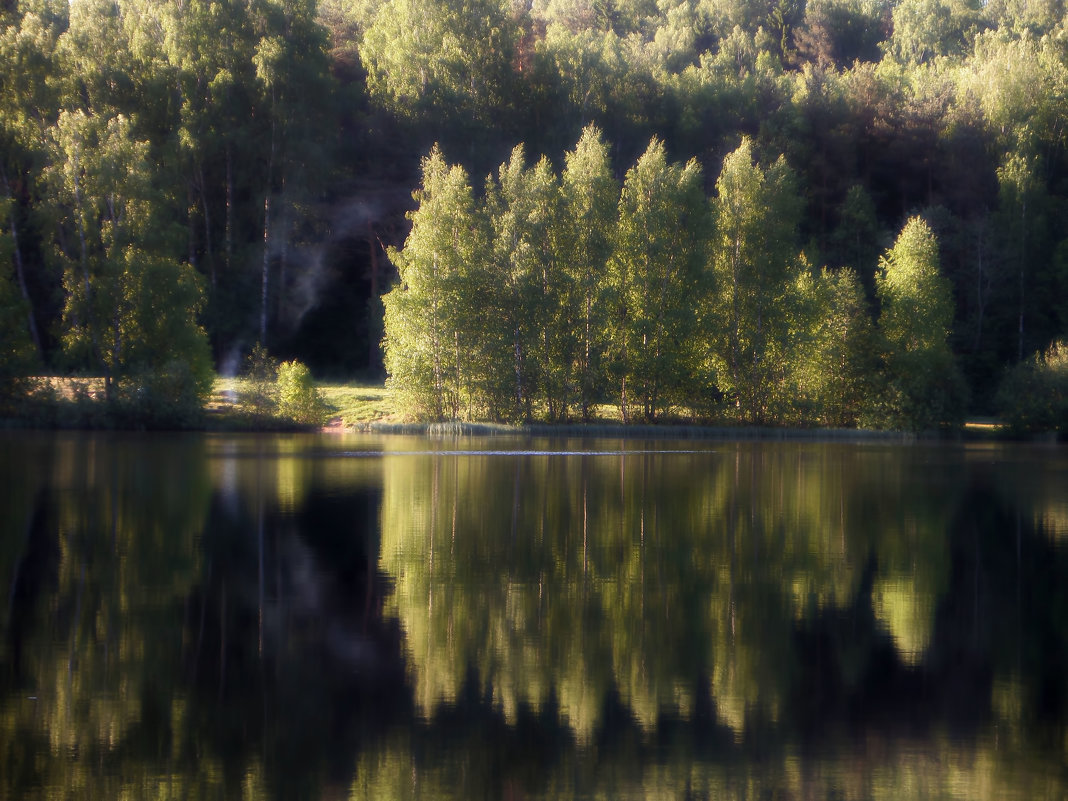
(265, 270)
(459, 375)
(228, 256)
(980, 300)
(265, 273)
(190, 224)
(112, 363)
(372, 345)
(735, 325)
(283, 248)
(1023, 266)
(517, 353)
(20, 270)
(208, 249)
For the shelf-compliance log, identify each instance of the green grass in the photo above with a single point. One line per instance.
(357, 404)
(352, 404)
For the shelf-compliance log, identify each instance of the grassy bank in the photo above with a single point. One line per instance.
(78, 403)
(348, 405)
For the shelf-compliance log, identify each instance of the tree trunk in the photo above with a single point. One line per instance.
(265, 271)
(208, 251)
(229, 207)
(372, 346)
(84, 260)
(20, 270)
(1023, 266)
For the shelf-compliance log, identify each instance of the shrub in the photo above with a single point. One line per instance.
(1033, 396)
(261, 375)
(298, 398)
(171, 396)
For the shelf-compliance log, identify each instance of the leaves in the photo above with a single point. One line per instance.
(924, 385)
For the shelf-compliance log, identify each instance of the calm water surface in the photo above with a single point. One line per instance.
(275, 617)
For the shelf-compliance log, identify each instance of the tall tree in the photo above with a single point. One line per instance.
(837, 358)
(17, 348)
(926, 29)
(430, 314)
(924, 387)
(210, 47)
(1021, 222)
(524, 209)
(28, 99)
(451, 59)
(296, 86)
(590, 197)
(130, 308)
(755, 261)
(658, 281)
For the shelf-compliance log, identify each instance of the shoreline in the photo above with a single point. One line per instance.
(89, 417)
(622, 431)
(590, 431)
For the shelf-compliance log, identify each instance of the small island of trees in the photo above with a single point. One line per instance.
(767, 212)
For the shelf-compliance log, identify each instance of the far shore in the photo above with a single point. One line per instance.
(366, 407)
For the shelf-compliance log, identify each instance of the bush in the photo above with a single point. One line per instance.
(171, 396)
(261, 376)
(926, 392)
(1033, 396)
(298, 398)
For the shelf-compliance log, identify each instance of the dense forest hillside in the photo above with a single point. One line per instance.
(180, 179)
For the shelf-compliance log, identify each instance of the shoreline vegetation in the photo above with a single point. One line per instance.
(236, 405)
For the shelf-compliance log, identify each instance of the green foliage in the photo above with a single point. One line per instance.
(1034, 395)
(229, 136)
(841, 32)
(589, 202)
(261, 377)
(534, 331)
(168, 357)
(836, 375)
(451, 59)
(658, 284)
(131, 311)
(171, 394)
(298, 398)
(924, 388)
(17, 357)
(430, 348)
(926, 29)
(754, 257)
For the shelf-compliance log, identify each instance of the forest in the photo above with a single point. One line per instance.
(834, 212)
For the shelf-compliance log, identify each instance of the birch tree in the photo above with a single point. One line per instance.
(429, 345)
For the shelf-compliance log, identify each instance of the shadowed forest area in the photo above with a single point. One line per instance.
(840, 212)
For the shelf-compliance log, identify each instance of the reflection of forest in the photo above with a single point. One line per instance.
(742, 609)
(258, 618)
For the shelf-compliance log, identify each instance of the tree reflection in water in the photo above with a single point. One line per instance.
(273, 617)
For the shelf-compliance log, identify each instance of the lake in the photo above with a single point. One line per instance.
(372, 617)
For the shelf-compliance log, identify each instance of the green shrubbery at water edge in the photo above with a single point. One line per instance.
(1034, 395)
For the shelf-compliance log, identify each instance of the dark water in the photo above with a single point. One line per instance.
(215, 617)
